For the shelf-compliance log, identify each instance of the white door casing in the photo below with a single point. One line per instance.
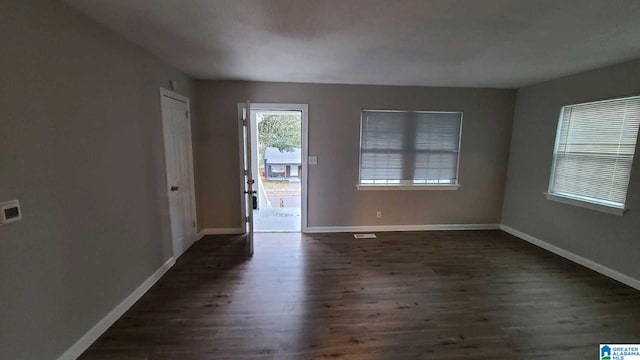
(178, 151)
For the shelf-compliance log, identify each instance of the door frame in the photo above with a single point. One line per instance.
(177, 97)
(304, 109)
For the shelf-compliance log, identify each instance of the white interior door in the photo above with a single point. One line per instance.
(247, 181)
(176, 125)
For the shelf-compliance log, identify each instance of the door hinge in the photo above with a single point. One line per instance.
(247, 219)
(194, 224)
(188, 114)
(245, 172)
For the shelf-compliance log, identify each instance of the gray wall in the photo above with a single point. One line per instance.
(334, 123)
(610, 240)
(81, 148)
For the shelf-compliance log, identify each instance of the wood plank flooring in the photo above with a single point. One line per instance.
(417, 295)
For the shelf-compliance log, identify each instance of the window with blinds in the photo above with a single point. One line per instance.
(409, 147)
(595, 145)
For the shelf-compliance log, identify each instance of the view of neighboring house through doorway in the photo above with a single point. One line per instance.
(278, 166)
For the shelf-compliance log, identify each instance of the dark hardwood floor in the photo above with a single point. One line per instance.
(418, 295)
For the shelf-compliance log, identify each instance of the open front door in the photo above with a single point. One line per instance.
(246, 178)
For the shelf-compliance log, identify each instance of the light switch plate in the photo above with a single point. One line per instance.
(313, 160)
(10, 212)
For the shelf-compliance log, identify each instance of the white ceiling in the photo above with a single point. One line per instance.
(476, 43)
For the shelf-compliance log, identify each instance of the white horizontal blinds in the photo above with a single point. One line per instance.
(595, 147)
(405, 147)
(437, 142)
(382, 146)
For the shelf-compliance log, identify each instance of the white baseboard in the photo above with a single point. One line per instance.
(625, 279)
(98, 329)
(383, 228)
(219, 231)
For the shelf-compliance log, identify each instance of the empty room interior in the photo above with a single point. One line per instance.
(319, 179)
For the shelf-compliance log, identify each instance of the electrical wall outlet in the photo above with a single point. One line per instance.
(378, 214)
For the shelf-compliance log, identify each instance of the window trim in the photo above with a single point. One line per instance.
(405, 186)
(570, 200)
(575, 200)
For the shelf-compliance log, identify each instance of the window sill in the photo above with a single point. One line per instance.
(585, 204)
(407, 187)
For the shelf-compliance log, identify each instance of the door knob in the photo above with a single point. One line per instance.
(175, 188)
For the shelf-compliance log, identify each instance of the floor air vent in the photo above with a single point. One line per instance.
(364, 236)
